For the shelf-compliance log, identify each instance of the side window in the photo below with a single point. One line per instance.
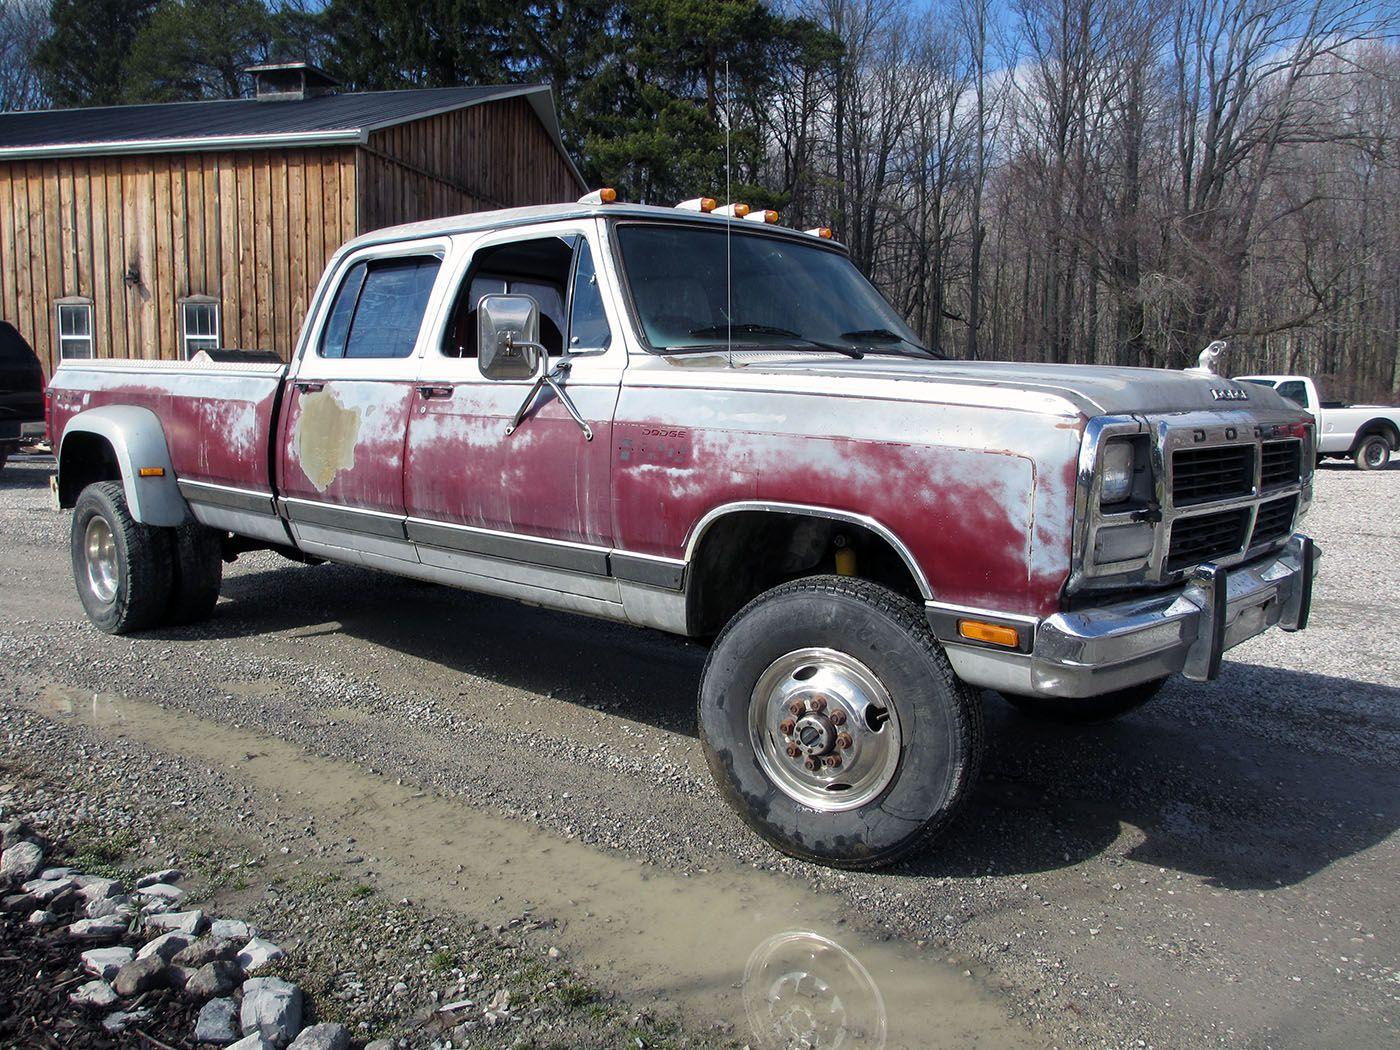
(199, 325)
(588, 321)
(538, 267)
(379, 308)
(74, 330)
(1294, 391)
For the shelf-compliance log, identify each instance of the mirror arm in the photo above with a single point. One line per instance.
(551, 379)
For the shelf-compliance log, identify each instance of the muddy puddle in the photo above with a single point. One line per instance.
(743, 947)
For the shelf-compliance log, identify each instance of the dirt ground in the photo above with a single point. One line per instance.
(1219, 868)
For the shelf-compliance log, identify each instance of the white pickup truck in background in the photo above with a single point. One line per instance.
(1368, 434)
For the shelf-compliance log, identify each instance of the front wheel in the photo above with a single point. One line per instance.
(121, 567)
(1089, 710)
(1373, 453)
(833, 723)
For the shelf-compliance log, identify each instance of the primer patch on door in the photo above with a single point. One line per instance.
(326, 436)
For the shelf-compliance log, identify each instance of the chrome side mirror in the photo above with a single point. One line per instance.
(508, 337)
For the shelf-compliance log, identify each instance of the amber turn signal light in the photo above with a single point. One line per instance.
(152, 472)
(991, 633)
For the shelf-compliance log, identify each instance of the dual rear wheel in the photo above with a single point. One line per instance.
(132, 577)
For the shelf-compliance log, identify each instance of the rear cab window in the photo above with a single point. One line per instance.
(378, 308)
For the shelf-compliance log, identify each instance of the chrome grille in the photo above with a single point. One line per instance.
(1205, 537)
(1203, 475)
(1274, 520)
(1281, 463)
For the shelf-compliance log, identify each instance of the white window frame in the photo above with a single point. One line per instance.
(186, 335)
(73, 303)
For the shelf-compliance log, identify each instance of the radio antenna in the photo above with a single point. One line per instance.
(729, 199)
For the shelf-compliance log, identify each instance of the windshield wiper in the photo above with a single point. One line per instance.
(744, 329)
(886, 334)
(801, 343)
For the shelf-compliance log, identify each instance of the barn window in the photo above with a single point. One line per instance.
(199, 325)
(74, 329)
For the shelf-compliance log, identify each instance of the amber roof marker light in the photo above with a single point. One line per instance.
(762, 215)
(732, 211)
(824, 232)
(606, 195)
(705, 205)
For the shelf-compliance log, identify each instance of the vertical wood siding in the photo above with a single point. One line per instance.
(250, 228)
(496, 155)
(236, 226)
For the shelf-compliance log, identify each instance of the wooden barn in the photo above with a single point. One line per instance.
(159, 230)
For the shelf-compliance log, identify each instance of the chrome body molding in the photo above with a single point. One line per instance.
(246, 512)
(905, 555)
(1180, 630)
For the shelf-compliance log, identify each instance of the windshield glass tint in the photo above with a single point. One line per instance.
(784, 291)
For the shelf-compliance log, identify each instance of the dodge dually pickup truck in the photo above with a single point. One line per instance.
(716, 427)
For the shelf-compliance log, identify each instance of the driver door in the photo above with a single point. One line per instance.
(532, 507)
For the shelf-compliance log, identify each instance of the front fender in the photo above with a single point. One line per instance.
(137, 440)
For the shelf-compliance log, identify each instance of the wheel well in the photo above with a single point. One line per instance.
(84, 460)
(1384, 427)
(745, 553)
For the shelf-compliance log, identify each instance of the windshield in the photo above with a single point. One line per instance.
(786, 294)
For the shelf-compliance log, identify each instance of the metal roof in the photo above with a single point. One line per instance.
(323, 120)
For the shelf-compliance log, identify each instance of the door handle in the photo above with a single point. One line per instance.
(310, 388)
(429, 393)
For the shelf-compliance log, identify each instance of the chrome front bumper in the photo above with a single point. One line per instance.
(1185, 630)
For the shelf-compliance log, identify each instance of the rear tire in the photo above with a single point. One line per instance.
(1373, 453)
(913, 732)
(122, 568)
(1088, 710)
(198, 573)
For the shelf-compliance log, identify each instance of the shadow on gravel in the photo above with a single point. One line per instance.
(1247, 803)
(642, 675)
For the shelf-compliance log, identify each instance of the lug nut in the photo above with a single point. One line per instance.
(843, 741)
(838, 717)
(833, 761)
(795, 707)
(793, 751)
(811, 764)
(817, 703)
(786, 726)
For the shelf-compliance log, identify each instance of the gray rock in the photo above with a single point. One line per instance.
(252, 1042)
(166, 875)
(12, 831)
(322, 1037)
(21, 862)
(218, 1022)
(118, 905)
(257, 953)
(379, 1044)
(42, 889)
(272, 1008)
(104, 963)
(206, 950)
(49, 874)
(107, 928)
(213, 978)
(178, 976)
(118, 1021)
(42, 917)
(161, 890)
(166, 946)
(94, 887)
(94, 993)
(141, 975)
(233, 929)
(184, 921)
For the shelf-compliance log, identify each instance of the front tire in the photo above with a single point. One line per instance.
(1373, 453)
(121, 567)
(1088, 710)
(834, 667)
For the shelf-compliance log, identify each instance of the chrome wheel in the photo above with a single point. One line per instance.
(100, 558)
(824, 729)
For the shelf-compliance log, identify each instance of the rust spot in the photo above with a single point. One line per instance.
(326, 435)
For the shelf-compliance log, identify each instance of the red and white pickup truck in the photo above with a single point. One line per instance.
(718, 428)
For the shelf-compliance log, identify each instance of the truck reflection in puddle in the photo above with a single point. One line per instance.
(803, 991)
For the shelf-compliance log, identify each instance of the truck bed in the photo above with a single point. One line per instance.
(218, 416)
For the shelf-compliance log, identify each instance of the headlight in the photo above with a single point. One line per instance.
(1116, 471)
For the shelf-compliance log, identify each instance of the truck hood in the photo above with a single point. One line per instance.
(1093, 389)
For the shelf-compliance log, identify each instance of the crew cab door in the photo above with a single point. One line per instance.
(347, 407)
(531, 506)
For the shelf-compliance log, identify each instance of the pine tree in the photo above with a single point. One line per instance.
(80, 61)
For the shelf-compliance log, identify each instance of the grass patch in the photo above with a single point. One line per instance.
(362, 891)
(95, 854)
(441, 961)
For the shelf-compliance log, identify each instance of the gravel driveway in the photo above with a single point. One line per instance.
(1217, 868)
